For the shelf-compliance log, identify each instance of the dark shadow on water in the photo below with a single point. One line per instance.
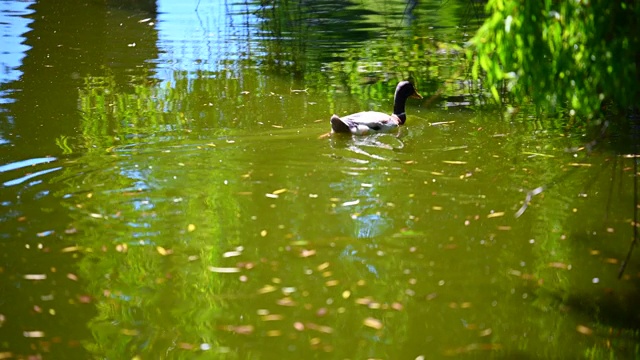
(611, 307)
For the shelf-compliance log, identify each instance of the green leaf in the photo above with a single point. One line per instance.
(495, 94)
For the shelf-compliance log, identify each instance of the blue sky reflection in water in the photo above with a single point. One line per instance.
(12, 25)
(168, 193)
(215, 36)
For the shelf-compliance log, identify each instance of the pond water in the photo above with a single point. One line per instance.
(169, 190)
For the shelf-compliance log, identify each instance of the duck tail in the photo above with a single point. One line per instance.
(339, 126)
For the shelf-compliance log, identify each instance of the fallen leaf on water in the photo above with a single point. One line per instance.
(286, 301)
(272, 317)
(331, 283)
(267, 289)
(504, 227)
(559, 265)
(70, 231)
(454, 162)
(162, 251)
(96, 216)
(263, 233)
(350, 203)
(307, 253)
(373, 323)
(240, 329)
(70, 249)
(375, 305)
(288, 290)
(579, 164)
(584, 330)
(231, 254)
(224, 270)
(514, 272)
(485, 332)
(442, 123)
(364, 301)
(298, 326)
(73, 277)
(495, 214)
(272, 196)
(33, 334)
(537, 154)
(35, 276)
(611, 260)
(320, 328)
(191, 227)
(279, 191)
(274, 333)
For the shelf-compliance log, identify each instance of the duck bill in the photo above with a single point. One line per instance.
(415, 95)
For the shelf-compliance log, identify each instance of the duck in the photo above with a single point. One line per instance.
(368, 122)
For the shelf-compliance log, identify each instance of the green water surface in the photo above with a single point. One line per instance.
(170, 190)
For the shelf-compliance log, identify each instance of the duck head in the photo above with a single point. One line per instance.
(404, 90)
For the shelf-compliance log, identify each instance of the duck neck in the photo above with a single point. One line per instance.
(398, 110)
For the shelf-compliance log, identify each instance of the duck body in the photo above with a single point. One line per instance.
(367, 122)
(364, 122)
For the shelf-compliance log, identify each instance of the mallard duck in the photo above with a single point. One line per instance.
(367, 122)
